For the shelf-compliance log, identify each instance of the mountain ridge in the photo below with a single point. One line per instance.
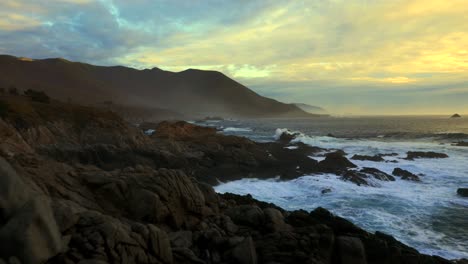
(192, 91)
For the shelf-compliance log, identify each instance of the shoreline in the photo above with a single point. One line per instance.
(109, 193)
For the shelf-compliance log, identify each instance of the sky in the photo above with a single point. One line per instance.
(348, 56)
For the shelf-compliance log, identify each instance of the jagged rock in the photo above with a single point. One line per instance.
(405, 175)
(28, 229)
(462, 192)
(335, 161)
(411, 155)
(365, 157)
(361, 177)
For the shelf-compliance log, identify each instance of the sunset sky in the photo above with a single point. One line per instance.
(351, 57)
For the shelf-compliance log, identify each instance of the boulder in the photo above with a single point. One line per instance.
(335, 161)
(28, 229)
(462, 192)
(405, 175)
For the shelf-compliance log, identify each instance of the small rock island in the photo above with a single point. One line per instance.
(455, 116)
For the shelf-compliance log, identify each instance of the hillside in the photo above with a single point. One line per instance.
(311, 108)
(190, 92)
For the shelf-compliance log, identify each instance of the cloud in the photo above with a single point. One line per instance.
(321, 48)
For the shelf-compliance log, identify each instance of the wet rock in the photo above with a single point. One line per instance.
(287, 136)
(335, 161)
(462, 144)
(411, 155)
(376, 158)
(327, 190)
(363, 176)
(405, 175)
(377, 174)
(182, 130)
(462, 192)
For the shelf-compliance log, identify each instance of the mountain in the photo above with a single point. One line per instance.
(190, 92)
(311, 109)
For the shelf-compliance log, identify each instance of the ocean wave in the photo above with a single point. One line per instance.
(237, 129)
(403, 209)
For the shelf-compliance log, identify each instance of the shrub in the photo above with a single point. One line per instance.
(13, 90)
(3, 109)
(38, 96)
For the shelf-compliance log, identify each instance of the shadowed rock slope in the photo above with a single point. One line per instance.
(79, 185)
(192, 92)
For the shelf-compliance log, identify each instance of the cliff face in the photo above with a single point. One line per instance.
(191, 92)
(100, 191)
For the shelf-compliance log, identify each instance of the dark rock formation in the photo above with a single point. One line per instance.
(411, 155)
(462, 144)
(335, 162)
(462, 192)
(28, 230)
(405, 175)
(363, 176)
(365, 157)
(455, 116)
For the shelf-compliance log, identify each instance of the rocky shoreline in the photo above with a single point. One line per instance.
(80, 185)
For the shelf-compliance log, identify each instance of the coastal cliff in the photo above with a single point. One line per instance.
(81, 185)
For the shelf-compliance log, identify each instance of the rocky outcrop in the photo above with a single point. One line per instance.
(405, 175)
(376, 158)
(462, 192)
(335, 162)
(411, 155)
(366, 176)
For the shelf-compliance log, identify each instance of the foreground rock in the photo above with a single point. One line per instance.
(462, 192)
(28, 231)
(411, 155)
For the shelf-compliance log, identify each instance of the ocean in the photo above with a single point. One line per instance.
(426, 215)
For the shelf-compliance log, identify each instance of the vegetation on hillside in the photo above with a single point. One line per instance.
(38, 96)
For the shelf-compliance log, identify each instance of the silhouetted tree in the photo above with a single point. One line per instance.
(38, 96)
(13, 90)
